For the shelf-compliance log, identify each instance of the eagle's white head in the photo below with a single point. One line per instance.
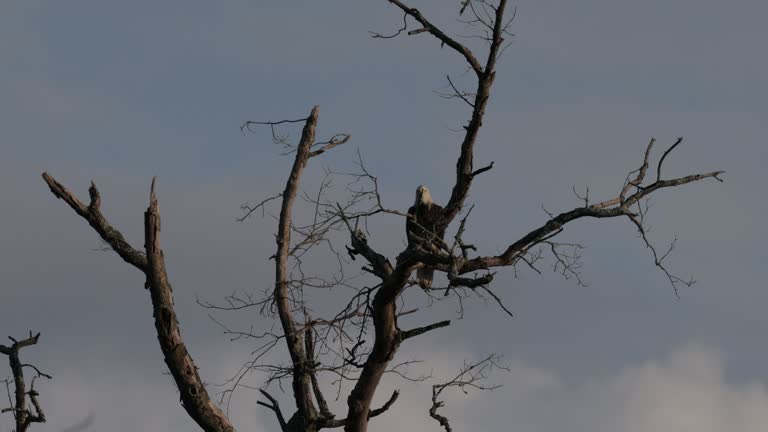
(423, 196)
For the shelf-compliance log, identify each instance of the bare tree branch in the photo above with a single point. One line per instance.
(393, 35)
(23, 416)
(274, 406)
(471, 375)
(386, 341)
(619, 206)
(436, 32)
(464, 165)
(336, 140)
(357, 341)
(421, 330)
(93, 216)
(456, 93)
(373, 413)
(301, 380)
(192, 391)
(249, 209)
(299, 341)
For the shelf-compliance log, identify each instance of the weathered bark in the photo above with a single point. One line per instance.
(300, 345)
(302, 390)
(386, 342)
(194, 396)
(387, 337)
(311, 414)
(616, 207)
(23, 416)
(464, 165)
(92, 214)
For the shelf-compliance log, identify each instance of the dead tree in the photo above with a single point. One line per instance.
(359, 343)
(23, 415)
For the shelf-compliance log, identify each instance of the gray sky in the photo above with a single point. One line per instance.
(119, 92)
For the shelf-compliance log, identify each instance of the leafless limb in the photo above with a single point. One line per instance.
(393, 35)
(301, 380)
(312, 410)
(407, 334)
(336, 140)
(439, 34)
(567, 262)
(249, 209)
(664, 156)
(464, 4)
(194, 396)
(584, 197)
(615, 207)
(357, 341)
(92, 214)
(471, 376)
(383, 307)
(456, 93)
(277, 138)
(482, 170)
(274, 406)
(23, 415)
(373, 413)
(486, 75)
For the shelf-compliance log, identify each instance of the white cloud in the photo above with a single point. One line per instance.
(685, 391)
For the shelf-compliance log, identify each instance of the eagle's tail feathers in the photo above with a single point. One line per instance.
(424, 277)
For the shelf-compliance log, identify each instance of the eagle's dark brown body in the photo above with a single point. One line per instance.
(424, 228)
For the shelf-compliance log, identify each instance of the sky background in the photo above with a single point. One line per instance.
(119, 92)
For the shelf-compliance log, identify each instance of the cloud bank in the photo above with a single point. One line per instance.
(685, 390)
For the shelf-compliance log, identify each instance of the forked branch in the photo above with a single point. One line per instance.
(439, 34)
(471, 376)
(302, 390)
(298, 338)
(22, 414)
(465, 172)
(630, 196)
(92, 214)
(372, 413)
(192, 391)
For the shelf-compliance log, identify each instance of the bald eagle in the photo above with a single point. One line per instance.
(423, 227)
